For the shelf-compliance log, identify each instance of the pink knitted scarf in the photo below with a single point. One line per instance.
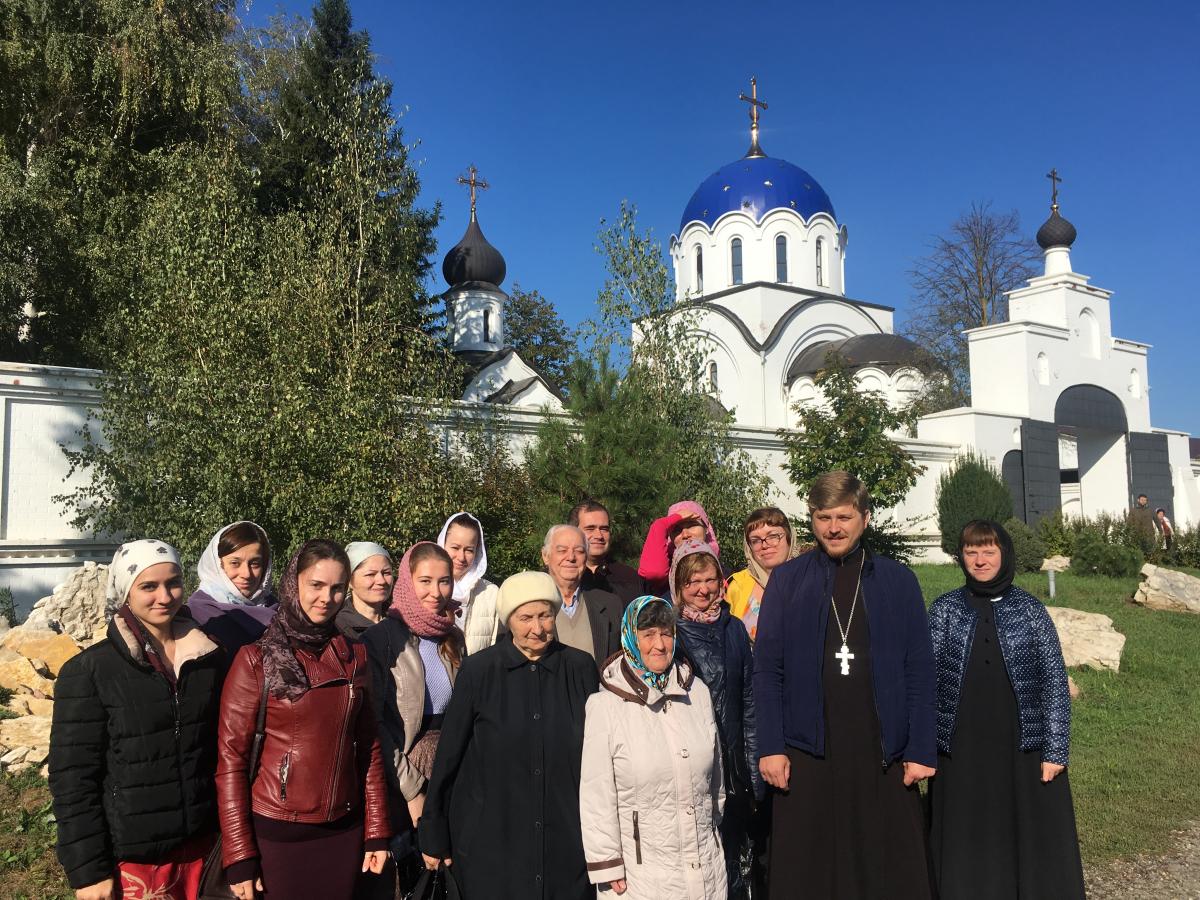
(405, 606)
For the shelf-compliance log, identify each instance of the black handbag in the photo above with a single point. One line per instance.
(213, 885)
(436, 884)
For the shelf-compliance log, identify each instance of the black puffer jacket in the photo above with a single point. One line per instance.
(720, 654)
(131, 759)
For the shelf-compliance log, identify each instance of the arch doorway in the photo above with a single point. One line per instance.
(1093, 451)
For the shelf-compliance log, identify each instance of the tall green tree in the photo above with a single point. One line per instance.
(856, 431)
(641, 430)
(533, 326)
(94, 95)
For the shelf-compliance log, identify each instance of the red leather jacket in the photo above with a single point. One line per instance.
(320, 757)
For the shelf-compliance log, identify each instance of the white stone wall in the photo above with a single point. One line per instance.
(468, 309)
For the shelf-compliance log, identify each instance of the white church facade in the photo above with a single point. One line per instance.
(1059, 404)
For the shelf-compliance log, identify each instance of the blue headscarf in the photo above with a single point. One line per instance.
(629, 643)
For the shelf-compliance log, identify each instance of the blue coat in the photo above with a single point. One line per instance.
(790, 648)
(1032, 658)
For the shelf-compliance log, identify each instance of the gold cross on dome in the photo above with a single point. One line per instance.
(475, 182)
(755, 106)
(1054, 181)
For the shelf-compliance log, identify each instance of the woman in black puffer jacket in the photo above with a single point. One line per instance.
(133, 742)
(718, 647)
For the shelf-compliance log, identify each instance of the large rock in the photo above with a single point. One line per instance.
(1088, 639)
(1168, 589)
(23, 675)
(50, 647)
(1056, 563)
(24, 742)
(77, 607)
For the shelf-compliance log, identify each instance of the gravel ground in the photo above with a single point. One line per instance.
(1174, 876)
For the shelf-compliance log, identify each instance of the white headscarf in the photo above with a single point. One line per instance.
(214, 581)
(463, 586)
(359, 552)
(131, 560)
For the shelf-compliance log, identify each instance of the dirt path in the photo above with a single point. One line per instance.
(1174, 876)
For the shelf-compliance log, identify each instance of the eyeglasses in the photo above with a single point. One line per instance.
(767, 540)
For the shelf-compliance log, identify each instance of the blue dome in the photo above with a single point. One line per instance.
(756, 185)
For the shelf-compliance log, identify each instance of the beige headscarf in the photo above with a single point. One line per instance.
(757, 572)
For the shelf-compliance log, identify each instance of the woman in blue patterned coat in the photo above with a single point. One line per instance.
(1003, 826)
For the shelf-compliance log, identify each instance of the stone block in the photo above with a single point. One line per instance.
(1056, 563)
(52, 648)
(24, 675)
(1088, 639)
(27, 731)
(1167, 589)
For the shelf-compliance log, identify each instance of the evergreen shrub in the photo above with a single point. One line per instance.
(1056, 533)
(972, 489)
(1095, 556)
(1027, 546)
(8, 609)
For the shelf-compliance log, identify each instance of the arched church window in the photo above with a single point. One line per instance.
(781, 274)
(1089, 333)
(1135, 384)
(735, 261)
(1043, 369)
(820, 262)
(487, 326)
(699, 269)
(713, 385)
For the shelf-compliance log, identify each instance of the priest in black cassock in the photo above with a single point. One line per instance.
(844, 692)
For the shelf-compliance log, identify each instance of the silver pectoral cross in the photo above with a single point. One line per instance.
(845, 656)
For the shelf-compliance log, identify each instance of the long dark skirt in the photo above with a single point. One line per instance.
(310, 861)
(998, 832)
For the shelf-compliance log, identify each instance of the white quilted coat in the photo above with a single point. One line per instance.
(480, 625)
(650, 793)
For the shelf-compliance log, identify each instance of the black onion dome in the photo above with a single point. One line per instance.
(473, 261)
(1056, 232)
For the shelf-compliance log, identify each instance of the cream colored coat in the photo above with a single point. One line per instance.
(650, 794)
(398, 680)
(480, 625)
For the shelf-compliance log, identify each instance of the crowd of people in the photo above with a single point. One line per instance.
(671, 731)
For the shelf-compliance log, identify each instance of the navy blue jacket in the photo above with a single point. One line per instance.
(790, 646)
(720, 654)
(1032, 657)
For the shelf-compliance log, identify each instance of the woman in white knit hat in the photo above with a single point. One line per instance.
(502, 807)
(371, 580)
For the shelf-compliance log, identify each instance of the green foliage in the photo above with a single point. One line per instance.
(854, 430)
(1061, 534)
(8, 609)
(1057, 534)
(1027, 546)
(1184, 551)
(29, 869)
(1095, 555)
(970, 489)
(641, 439)
(533, 327)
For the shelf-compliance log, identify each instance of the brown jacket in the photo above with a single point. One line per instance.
(320, 758)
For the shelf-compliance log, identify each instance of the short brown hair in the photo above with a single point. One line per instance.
(768, 515)
(693, 563)
(838, 488)
(586, 506)
(978, 534)
(243, 534)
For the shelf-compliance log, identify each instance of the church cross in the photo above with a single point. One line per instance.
(1054, 181)
(845, 656)
(475, 182)
(755, 106)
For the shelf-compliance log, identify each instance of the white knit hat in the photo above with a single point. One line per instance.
(526, 587)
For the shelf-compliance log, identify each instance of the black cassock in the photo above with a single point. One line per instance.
(998, 832)
(503, 799)
(848, 829)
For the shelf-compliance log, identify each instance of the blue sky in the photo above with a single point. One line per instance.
(905, 113)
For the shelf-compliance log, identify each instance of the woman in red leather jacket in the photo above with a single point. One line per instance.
(315, 814)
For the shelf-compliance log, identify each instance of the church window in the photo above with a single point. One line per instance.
(781, 273)
(699, 269)
(1135, 384)
(1089, 332)
(487, 326)
(735, 261)
(1043, 369)
(712, 378)
(820, 262)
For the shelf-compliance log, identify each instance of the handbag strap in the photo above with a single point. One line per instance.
(260, 731)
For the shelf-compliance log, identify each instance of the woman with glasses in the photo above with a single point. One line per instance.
(717, 647)
(769, 541)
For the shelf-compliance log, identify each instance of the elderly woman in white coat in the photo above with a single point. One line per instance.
(462, 538)
(651, 794)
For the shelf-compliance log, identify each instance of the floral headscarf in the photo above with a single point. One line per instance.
(629, 643)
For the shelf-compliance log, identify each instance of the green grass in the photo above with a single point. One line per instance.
(1135, 736)
(29, 869)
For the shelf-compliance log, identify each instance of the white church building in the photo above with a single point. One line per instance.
(1058, 403)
